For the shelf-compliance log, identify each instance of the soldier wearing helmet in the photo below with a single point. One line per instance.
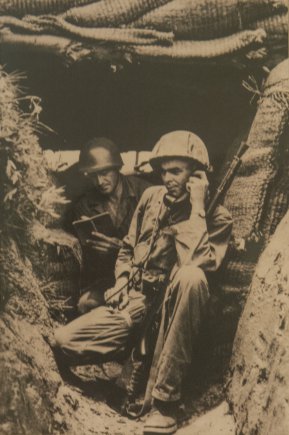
(182, 145)
(100, 161)
(171, 246)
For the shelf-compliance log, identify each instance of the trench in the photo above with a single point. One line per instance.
(134, 107)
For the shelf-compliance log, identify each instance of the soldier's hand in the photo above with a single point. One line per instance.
(117, 296)
(197, 186)
(102, 243)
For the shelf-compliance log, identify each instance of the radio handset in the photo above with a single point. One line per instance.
(169, 200)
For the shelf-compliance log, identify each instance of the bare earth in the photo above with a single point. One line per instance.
(86, 409)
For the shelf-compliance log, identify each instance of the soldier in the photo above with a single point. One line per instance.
(100, 161)
(171, 245)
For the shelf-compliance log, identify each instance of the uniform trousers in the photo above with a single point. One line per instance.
(105, 333)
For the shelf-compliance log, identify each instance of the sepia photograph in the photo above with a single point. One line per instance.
(144, 223)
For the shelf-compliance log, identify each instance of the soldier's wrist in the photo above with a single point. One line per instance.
(122, 279)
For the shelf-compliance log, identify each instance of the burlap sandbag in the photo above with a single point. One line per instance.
(20, 8)
(111, 12)
(264, 159)
(227, 46)
(258, 198)
(275, 26)
(55, 25)
(208, 19)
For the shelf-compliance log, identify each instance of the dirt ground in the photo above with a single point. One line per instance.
(92, 406)
(217, 421)
(96, 417)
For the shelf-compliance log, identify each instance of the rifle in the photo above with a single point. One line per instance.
(218, 196)
(227, 180)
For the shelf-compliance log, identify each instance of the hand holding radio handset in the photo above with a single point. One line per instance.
(197, 186)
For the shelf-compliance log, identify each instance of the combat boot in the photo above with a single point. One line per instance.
(162, 418)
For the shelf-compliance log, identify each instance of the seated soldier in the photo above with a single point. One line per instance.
(171, 245)
(111, 192)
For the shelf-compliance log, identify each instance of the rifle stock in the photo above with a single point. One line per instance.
(227, 180)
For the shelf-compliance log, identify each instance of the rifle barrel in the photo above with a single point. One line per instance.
(227, 179)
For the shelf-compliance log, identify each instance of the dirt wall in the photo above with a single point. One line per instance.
(37, 267)
(259, 392)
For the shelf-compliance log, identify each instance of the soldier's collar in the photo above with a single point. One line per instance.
(174, 203)
(127, 186)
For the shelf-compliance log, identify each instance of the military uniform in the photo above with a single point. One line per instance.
(98, 268)
(186, 247)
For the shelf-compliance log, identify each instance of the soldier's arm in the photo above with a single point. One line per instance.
(203, 241)
(73, 212)
(124, 260)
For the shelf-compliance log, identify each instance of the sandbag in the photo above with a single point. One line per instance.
(19, 8)
(207, 19)
(67, 50)
(204, 49)
(59, 276)
(257, 199)
(51, 24)
(111, 12)
(262, 161)
(276, 28)
(264, 177)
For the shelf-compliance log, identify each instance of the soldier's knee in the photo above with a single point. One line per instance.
(88, 301)
(82, 305)
(191, 277)
(61, 337)
(190, 274)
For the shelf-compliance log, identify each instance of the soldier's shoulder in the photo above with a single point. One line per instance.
(137, 179)
(85, 196)
(222, 213)
(137, 184)
(157, 189)
(84, 200)
(154, 192)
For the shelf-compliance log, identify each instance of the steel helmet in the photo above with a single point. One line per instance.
(182, 144)
(99, 154)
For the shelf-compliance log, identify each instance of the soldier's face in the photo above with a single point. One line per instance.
(175, 174)
(105, 181)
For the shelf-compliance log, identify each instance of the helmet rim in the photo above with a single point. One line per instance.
(180, 144)
(156, 161)
(99, 154)
(96, 169)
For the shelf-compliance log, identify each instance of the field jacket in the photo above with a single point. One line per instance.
(182, 238)
(100, 266)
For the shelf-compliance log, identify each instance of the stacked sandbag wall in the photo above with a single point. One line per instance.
(258, 380)
(209, 19)
(20, 8)
(258, 198)
(240, 32)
